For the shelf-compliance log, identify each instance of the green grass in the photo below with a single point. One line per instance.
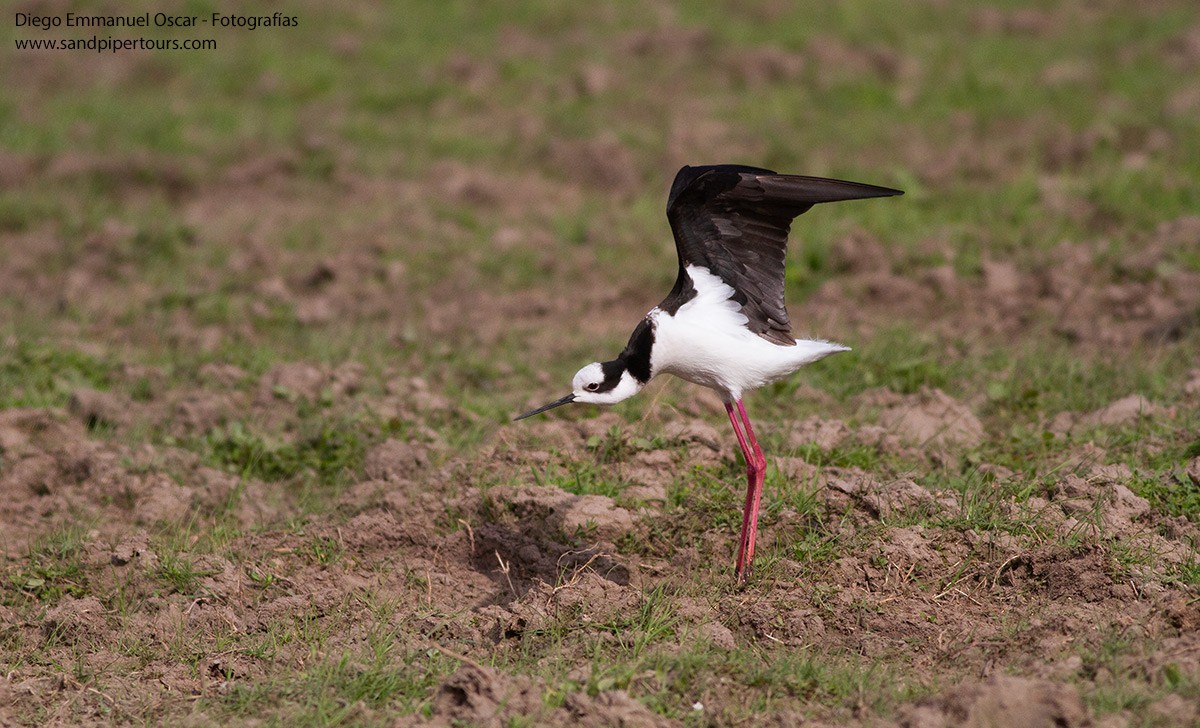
(984, 505)
(53, 568)
(44, 375)
(1117, 689)
(632, 652)
(325, 454)
(333, 691)
(179, 573)
(581, 479)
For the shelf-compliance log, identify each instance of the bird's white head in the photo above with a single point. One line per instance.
(604, 383)
(598, 383)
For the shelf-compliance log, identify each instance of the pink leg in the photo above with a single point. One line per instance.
(757, 475)
(755, 470)
(748, 456)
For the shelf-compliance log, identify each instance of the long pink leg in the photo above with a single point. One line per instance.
(755, 468)
(748, 456)
(757, 475)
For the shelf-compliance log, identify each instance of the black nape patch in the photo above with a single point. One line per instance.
(635, 359)
(636, 356)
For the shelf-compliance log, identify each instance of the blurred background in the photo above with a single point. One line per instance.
(449, 192)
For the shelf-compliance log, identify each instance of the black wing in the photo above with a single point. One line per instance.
(734, 221)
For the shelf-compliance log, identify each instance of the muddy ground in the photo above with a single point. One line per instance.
(256, 464)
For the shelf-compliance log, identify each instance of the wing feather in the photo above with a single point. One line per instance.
(734, 220)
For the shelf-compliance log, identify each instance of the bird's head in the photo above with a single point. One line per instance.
(606, 382)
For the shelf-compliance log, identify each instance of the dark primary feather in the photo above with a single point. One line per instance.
(734, 221)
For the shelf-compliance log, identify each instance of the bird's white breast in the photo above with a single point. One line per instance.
(706, 342)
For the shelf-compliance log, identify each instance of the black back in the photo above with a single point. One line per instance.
(734, 221)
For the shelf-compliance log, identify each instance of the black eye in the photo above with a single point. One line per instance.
(592, 387)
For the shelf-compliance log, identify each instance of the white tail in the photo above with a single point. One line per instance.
(810, 350)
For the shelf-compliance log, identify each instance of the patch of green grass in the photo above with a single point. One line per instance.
(654, 621)
(1116, 665)
(1171, 492)
(1051, 379)
(20, 210)
(323, 550)
(708, 497)
(984, 504)
(178, 571)
(53, 568)
(1160, 474)
(814, 546)
(898, 358)
(671, 681)
(851, 455)
(616, 445)
(327, 453)
(808, 675)
(581, 478)
(329, 692)
(1187, 572)
(600, 475)
(44, 375)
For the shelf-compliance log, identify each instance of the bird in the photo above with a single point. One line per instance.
(724, 324)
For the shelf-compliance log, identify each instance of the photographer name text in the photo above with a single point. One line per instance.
(156, 20)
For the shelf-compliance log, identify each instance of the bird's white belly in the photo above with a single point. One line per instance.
(706, 342)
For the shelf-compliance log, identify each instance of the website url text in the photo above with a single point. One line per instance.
(112, 45)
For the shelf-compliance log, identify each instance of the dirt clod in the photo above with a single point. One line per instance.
(1000, 701)
(96, 408)
(568, 513)
(74, 620)
(395, 460)
(932, 417)
(1124, 410)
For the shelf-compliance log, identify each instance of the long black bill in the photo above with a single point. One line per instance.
(556, 403)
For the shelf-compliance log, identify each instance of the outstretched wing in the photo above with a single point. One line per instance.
(734, 221)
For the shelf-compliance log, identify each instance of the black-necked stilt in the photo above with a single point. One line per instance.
(724, 324)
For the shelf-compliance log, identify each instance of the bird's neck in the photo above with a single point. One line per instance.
(636, 356)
